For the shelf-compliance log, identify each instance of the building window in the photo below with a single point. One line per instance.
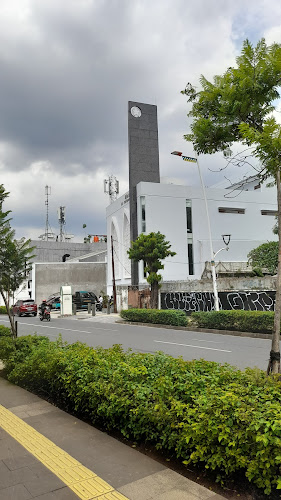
(230, 210)
(269, 212)
(188, 217)
(143, 221)
(190, 258)
(144, 271)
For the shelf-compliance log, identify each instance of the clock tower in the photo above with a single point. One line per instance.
(143, 160)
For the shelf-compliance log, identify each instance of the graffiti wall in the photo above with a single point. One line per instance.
(204, 301)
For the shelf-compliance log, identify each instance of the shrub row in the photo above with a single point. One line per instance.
(243, 321)
(160, 316)
(3, 310)
(201, 411)
(5, 331)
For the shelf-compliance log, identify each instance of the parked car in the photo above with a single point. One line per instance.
(82, 299)
(25, 307)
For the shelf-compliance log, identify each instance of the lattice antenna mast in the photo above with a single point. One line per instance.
(111, 187)
(48, 230)
(61, 217)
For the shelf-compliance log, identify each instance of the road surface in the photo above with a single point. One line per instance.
(238, 351)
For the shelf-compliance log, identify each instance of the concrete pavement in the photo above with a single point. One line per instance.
(48, 454)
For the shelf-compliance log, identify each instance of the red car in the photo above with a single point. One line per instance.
(25, 308)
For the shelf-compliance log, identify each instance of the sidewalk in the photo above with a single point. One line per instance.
(76, 460)
(100, 317)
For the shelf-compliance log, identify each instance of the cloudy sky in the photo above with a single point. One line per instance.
(67, 71)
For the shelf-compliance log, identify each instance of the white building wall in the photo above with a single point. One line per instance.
(166, 212)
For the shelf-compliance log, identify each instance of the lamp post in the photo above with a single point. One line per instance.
(212, 254)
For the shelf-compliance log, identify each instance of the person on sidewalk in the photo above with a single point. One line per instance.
(101, 302)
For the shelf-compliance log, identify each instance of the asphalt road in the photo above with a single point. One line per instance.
(238, 351)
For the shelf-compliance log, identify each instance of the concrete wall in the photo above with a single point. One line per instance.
(49, 277)
(224, 284)
(53, 251)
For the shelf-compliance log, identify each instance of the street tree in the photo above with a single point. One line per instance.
(265, 256)
(238, 107)
(152, 248)
(15, 259)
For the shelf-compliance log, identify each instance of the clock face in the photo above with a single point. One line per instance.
(135, 111)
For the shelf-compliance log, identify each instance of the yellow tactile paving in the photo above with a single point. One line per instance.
(82, 481)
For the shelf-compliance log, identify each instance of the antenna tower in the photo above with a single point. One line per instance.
(48, 235)
(61, 217)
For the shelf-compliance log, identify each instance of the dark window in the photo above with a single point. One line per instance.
(269, 212)
(190, 258)
(230, 210)
(188, 220)
(143, 223)
(144, 272)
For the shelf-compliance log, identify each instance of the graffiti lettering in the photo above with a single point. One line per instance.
(204, 301)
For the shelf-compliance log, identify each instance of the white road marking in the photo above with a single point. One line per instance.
(60, 328)
(203, 340)
(195, 346)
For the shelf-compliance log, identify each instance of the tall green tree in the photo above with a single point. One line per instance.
(237, 107)
(152, 248)
(15, 258)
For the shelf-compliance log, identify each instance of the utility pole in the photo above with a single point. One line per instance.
(113, 277)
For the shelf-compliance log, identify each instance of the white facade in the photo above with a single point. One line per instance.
(248, 217)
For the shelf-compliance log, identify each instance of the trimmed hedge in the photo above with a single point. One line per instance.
(3, 310)
(204, 412)
(5, 331)
(243, 321)
(155, 316)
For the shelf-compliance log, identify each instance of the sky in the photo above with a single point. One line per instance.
(67, 71)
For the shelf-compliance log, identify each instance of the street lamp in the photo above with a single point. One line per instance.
(226, 237)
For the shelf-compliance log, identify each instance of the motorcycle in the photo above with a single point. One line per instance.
(45, 315)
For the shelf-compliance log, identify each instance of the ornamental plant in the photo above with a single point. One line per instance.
(152, 248)
(202, 412)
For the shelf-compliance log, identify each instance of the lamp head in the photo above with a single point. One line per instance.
(226, 239)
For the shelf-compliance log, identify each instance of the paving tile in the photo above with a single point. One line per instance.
(175, 494)
(10, 393)
(11, 478)
(165, 483)
(41, 485)
(20, 461)
(40, 470)
(3, 434)
(32, 409)
(10, 448)
(62, 494)
(17, 492)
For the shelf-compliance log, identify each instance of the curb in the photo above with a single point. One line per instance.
(234, 333)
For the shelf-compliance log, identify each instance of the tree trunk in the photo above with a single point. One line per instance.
(274, 361)
(154, 295)
(11, 318)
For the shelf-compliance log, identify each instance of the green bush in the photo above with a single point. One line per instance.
(243, 321)
(155, 316)
(5, 331)
(204, 412)
(3, 310)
